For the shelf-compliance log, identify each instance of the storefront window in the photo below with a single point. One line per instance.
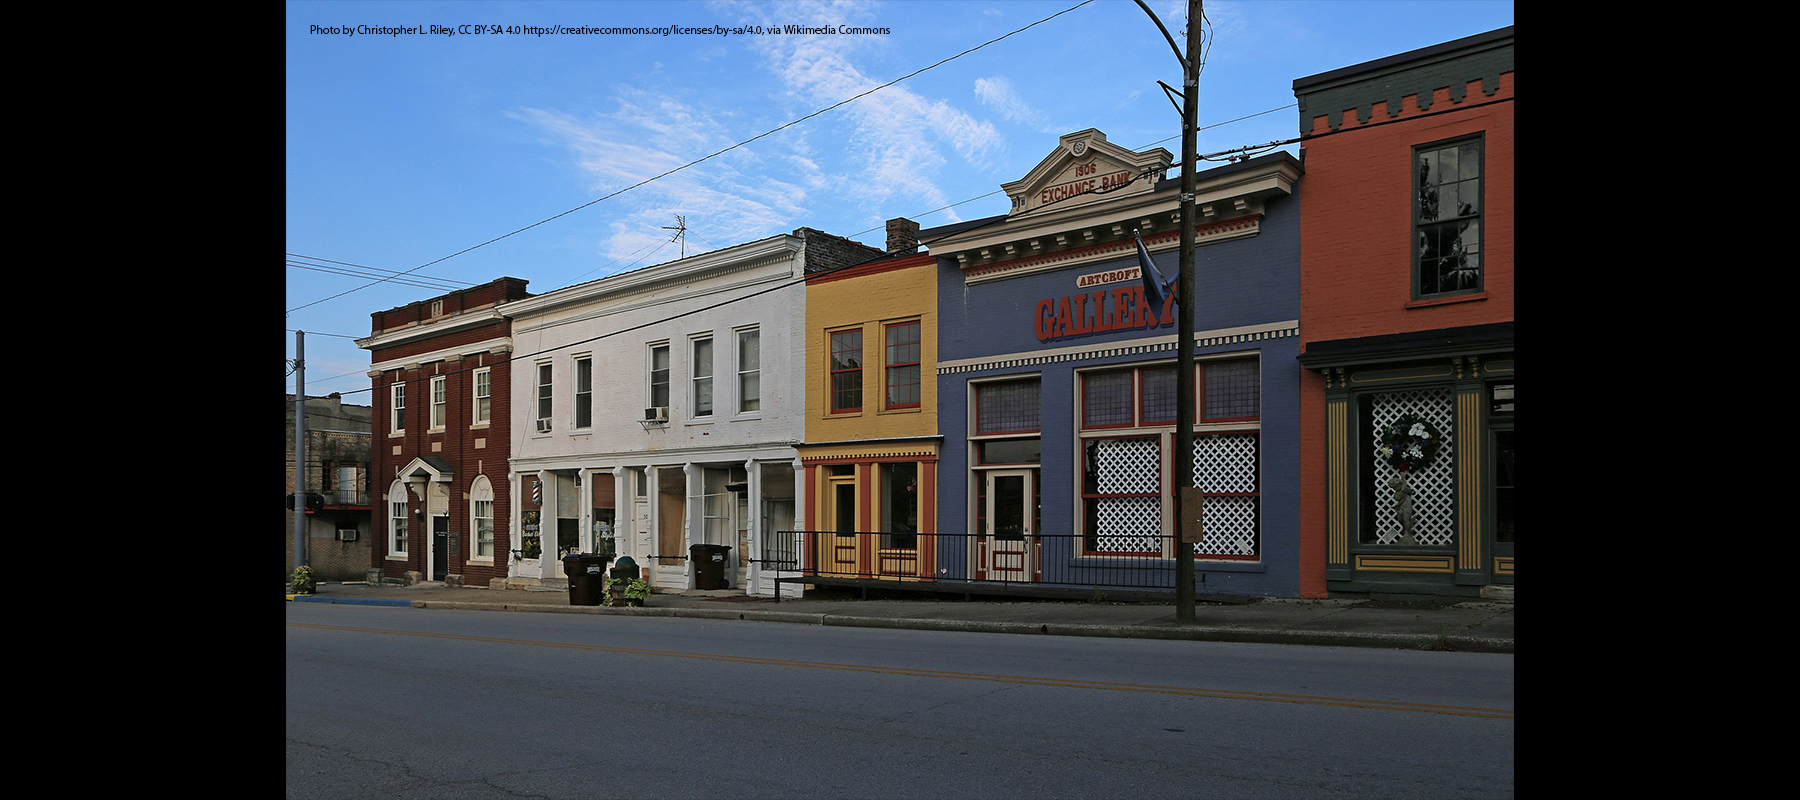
(1123, 495)
(1414, 506)
(900, 505)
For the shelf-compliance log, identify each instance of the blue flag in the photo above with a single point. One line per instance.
(1155, 288)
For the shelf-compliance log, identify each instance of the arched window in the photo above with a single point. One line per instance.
(396, 502)
(481, 511)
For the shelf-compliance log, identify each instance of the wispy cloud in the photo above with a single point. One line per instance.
(998, 94)
(902, 140)
(646, 135)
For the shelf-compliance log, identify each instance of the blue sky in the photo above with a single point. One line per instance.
(408, 149)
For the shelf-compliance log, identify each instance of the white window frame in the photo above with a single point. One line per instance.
(481, 498)
(582, 395)
(484, 392)
(397, 521)
(650, 382)
(544, 398)
(697, 380)
(440, 409)
(397, 407)
(742, 374)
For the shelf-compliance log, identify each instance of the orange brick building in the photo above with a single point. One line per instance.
(1406, 319)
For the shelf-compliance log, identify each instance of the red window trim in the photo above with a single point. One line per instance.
(1134, 400)
(888, 367)
(1200, 390)
(831, 390)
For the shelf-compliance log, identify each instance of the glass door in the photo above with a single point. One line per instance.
(1005, 553)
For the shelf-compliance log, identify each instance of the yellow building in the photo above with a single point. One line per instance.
(871, 453)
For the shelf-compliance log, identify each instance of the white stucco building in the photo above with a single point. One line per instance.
(661, 407)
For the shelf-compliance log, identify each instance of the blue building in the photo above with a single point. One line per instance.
(1056, 378)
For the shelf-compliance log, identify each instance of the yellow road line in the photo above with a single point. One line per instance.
(1424, 708)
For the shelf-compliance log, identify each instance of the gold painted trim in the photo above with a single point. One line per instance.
(1381, 563)
(1503, 566)
(1468, 478)
(1337, 478)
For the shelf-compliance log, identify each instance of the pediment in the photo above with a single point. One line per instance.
(1082, 168)
(430, 468)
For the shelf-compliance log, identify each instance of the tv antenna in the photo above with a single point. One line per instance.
(680, 229)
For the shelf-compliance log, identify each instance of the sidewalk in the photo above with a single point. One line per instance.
(1482, 626)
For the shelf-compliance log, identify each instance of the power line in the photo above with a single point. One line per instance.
(838, 104)
(786, 284)
(375, 269)
(358, 274)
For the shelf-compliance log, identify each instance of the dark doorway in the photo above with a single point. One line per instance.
(440, 548)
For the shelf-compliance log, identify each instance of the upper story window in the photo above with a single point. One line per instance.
(1447, 218)
(544, 395)
(701, 399)
(659, 375)
(439, 384)
(749, 343)
(902, 365)
(484, 393)
(584, 391)
(397, 408)
(846, 370)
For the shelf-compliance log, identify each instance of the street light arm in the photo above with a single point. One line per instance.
(1165, 32)
(1169, 92)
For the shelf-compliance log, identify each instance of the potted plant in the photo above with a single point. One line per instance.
(627, 591)
(302, 581)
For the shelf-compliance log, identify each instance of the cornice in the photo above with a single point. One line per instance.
(706, 266)
(438, 327)
(498, 346)
(1147, 344)
(1057, 237)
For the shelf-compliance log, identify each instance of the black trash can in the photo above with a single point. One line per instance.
(587, 577)
(709, 565)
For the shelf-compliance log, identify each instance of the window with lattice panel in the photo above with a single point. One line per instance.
(1430, 491)
(1226, 470)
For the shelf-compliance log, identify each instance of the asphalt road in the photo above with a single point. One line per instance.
(420, 703)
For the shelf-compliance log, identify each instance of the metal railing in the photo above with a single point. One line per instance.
(970, 562)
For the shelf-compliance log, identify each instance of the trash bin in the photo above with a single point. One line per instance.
(709, 565)
(587, 577)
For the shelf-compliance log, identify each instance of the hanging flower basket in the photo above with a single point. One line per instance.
(1409, 443)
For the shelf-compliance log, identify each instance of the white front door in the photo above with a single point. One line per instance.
(1005, 543)
(531, 546)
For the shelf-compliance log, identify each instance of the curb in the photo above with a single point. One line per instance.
(1388, 641)
(348, 601)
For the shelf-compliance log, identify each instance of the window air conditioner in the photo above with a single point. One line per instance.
(543, 426)
(347, 535)
(656, 414)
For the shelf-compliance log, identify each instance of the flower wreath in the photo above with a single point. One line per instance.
(1409, 443)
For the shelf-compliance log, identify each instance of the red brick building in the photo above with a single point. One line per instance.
(1406, 319)
(439, 437)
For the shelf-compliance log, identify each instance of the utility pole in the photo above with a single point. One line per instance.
(1187, 499)
(300, 559)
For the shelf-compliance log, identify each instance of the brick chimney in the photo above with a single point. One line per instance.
(902, 236)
